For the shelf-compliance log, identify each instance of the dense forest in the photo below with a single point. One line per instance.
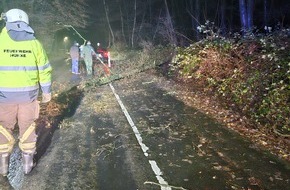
(129, 22)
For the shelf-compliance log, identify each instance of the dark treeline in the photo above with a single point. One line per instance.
(131, 22)
(178, 22)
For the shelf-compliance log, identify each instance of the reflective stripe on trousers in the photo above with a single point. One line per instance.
(24, 115)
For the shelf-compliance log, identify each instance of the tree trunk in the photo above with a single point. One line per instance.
(142, 22)
(134, 24)
(197, 17)
(223, 17)
(250, 7)
(266, 13)
(170, 28)
(122, 23)
(231, 17)
(243, 15)
(108, 21)
(157, 25)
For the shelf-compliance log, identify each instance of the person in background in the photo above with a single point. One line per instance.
(98, 45)
(74, 54)
(81, 51)
(88, 53)
(100, 51)
(24, 70)
(81, 60)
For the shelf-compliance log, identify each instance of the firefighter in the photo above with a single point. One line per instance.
(88, 53)
(24, 72)
(75, 54)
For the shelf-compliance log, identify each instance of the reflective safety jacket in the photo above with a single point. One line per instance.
(24, 68)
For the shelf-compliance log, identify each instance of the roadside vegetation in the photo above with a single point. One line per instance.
(250, 76)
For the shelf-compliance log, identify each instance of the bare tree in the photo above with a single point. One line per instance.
(266, 12)
(134, 23)
(169, 25)
(122, 22)
(108, 21)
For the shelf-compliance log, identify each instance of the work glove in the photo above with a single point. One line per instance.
(46, 98)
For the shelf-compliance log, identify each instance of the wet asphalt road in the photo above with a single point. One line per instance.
(192, 150)
(96, 147)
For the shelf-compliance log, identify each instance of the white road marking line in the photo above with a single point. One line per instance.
(154, 166)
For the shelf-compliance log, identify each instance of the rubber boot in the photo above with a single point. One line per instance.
(27, 159)
(4, 162)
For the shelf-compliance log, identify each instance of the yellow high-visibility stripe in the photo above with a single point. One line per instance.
(27, 147)
(6, 148)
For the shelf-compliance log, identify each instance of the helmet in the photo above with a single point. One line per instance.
(98, 44)
(89, 43)
(14, 15)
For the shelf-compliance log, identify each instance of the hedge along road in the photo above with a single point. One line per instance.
(178, 147)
